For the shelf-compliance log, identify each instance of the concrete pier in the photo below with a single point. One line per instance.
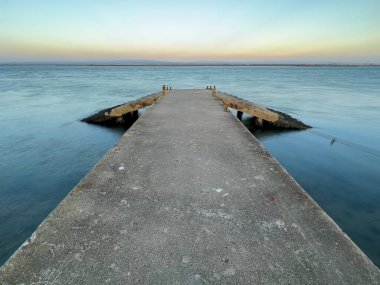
(125, 113)
(188, 196)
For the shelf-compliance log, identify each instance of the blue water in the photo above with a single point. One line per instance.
(45, 150)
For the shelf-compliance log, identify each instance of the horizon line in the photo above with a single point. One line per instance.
(195, 64)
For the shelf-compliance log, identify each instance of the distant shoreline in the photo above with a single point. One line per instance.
(193, 65)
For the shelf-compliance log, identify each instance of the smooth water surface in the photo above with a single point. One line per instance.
(45, 150)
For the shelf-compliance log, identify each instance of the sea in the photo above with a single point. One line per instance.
(45, 149)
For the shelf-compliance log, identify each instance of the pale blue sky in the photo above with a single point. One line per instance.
(253, 31)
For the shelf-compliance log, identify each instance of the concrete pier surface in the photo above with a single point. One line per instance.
(188, 196)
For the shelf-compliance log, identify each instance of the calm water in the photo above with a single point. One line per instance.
(45, 150)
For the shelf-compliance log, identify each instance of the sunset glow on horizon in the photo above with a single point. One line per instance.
(250, 31)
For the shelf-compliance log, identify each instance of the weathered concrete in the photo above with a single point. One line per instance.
(271, 117)
(188, 196)
(121, 113)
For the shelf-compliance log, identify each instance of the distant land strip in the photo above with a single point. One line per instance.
(200, 64)
(232, 64)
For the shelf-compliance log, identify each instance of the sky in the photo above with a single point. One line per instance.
(250, 31)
